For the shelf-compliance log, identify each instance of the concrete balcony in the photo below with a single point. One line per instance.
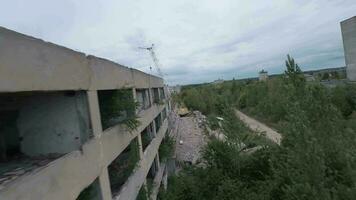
(133, 184)
(67, 176)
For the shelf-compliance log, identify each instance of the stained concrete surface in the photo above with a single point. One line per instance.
(53, 123)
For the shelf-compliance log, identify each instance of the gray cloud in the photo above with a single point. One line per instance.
(196, 41)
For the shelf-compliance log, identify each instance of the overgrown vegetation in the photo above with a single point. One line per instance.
(122, 167)
(118, 106)
(317, 156)
(146, 191)
(166, 148)
(142, 194)
(90, 192)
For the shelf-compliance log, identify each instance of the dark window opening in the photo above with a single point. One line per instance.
(164, 114)
(38, 127)
(123, 166)
(162, 94)
(156, 98)
(92, 192)
(158, 123)
(147, 136)
(143, 99)
(153, 169)
(116, 106)
(143, 193)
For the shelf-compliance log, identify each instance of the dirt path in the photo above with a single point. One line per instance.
(259, 127)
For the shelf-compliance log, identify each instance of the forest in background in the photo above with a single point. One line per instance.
(317, 155)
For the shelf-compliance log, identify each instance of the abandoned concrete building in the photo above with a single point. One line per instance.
(348, 29)
(74, 126)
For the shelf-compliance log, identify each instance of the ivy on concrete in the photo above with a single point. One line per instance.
(118, 106)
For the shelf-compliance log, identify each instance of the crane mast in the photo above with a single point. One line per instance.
(154, 58)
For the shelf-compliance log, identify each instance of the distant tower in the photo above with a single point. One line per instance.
(348, 29)
(263, 75)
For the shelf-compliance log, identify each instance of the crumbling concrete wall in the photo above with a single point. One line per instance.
(348, 28)
(53, 123)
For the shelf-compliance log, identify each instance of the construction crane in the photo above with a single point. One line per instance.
(154, 58)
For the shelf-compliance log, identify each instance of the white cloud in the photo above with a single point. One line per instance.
(195, 40)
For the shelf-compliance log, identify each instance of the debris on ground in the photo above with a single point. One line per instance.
(190, 138)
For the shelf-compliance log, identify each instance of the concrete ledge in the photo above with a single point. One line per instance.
(31, 64)
(67, 176)
(132, 186)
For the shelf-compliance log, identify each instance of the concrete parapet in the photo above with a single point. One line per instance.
(30, 64)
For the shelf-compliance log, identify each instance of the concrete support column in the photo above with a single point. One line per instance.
(139, 140)
(150, 131)
(94, 112)
(154, 127)
(148, 97)
(134, 98)
(151, 95)
(140, 147)
(159, 94)
(165, 178)
(104, 184)
(157, 163)
(169, 106)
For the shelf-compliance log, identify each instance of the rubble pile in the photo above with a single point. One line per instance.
(173, 120)
(199, 118)
(190, 138)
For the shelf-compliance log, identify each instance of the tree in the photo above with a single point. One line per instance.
(326, 76)
(293, 73)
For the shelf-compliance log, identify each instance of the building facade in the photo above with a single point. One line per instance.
(262, 75)
(348, 29)
(59, 137)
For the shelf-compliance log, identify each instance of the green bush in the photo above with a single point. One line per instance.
(166, 148)
(344, 98)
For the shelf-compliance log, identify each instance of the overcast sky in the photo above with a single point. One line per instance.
(195, 40)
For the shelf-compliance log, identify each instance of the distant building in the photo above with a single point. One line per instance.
(263, 75)
(218, 81)
(348, 29)
(175, 89)
(335, 73)
(309, 77)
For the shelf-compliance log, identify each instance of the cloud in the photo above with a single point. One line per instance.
(196, 41)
